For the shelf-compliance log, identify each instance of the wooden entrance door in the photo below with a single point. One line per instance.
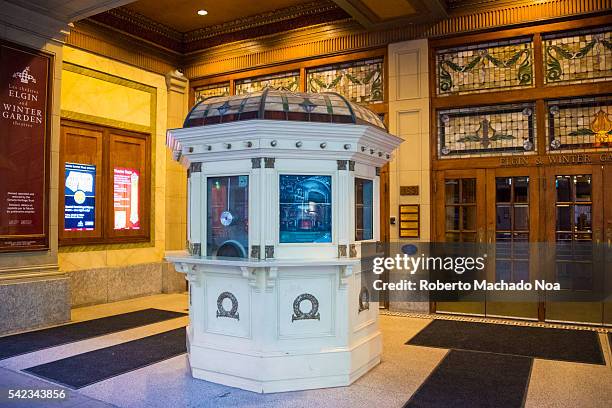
(575, 231)
(512, 214)
(607, 247)
(460, 206)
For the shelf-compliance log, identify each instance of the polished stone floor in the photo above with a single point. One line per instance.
(169, 384)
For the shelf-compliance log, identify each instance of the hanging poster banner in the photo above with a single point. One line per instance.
(125, 198)
(79, 197)
(24, 152)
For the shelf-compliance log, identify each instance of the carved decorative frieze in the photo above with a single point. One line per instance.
(269, 162)
(298, 314)
(269, 251)
(195, 249)
(232, 313)
(364, 299)
(255, 251)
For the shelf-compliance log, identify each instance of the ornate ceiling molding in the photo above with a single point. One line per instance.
(289, 13)
(348, 36)
(315, 40)
(134, 23)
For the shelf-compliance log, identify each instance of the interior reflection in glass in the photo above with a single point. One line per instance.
(228, 216)
(363, 209)
(305, 209)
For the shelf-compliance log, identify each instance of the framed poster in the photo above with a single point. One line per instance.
(25, 95)
(125, 198)
(79, 197)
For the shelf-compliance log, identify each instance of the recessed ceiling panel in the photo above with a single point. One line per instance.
(182, 15)
(390, 9)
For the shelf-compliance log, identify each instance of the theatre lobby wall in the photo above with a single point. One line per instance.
(103, 76)
(99, 90)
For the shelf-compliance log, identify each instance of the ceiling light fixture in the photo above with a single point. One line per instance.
(202, 12)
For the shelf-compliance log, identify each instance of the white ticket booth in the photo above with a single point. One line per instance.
(283, 191)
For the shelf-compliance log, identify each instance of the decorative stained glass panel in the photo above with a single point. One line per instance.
(211, 90)
(578, 123)
(360, 81)
(477, 131)
(485, 67)
(286, 81)
(578, 57)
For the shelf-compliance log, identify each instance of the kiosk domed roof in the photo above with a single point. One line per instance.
(274, 104)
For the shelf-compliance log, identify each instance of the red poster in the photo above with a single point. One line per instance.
(125, 198)
(24, 91)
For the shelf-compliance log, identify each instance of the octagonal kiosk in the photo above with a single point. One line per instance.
(283, 189)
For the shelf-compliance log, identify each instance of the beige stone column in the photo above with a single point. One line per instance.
(409, 119)
(176, 183)
(33, 293)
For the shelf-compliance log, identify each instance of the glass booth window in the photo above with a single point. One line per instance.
(228, 216)
(305, 209)
(363, 209)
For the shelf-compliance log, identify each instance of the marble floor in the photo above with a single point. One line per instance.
(169, 384)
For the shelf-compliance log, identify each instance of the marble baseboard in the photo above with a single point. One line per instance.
(416, 307)
(30, 304)
(103, 285)
(172, 281)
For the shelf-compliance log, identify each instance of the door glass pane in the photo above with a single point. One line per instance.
(583, 187)
(468, 237)
(502, 220)
(452, 218)
(452, 237)
(451, 191)
(503, 189)
(469, 218)
(521, 189)
(564, 218)
(521, 218)
(582, 220)
(563, 189)
(468, 190)
(521, 271)
(503, 270)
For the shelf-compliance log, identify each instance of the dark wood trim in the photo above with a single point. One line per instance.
(521, 95)
(292, 66)
(104, 195)
(524, 31)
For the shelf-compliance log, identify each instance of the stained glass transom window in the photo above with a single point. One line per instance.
(477, 131)
(578, 57)
(360, 81)
(287, 81)
(579, 123)
(207, 91)
(485, 67)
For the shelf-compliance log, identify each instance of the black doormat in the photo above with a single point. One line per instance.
(23, 343)
(580, 346)
(88, 368)
(473, 379)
